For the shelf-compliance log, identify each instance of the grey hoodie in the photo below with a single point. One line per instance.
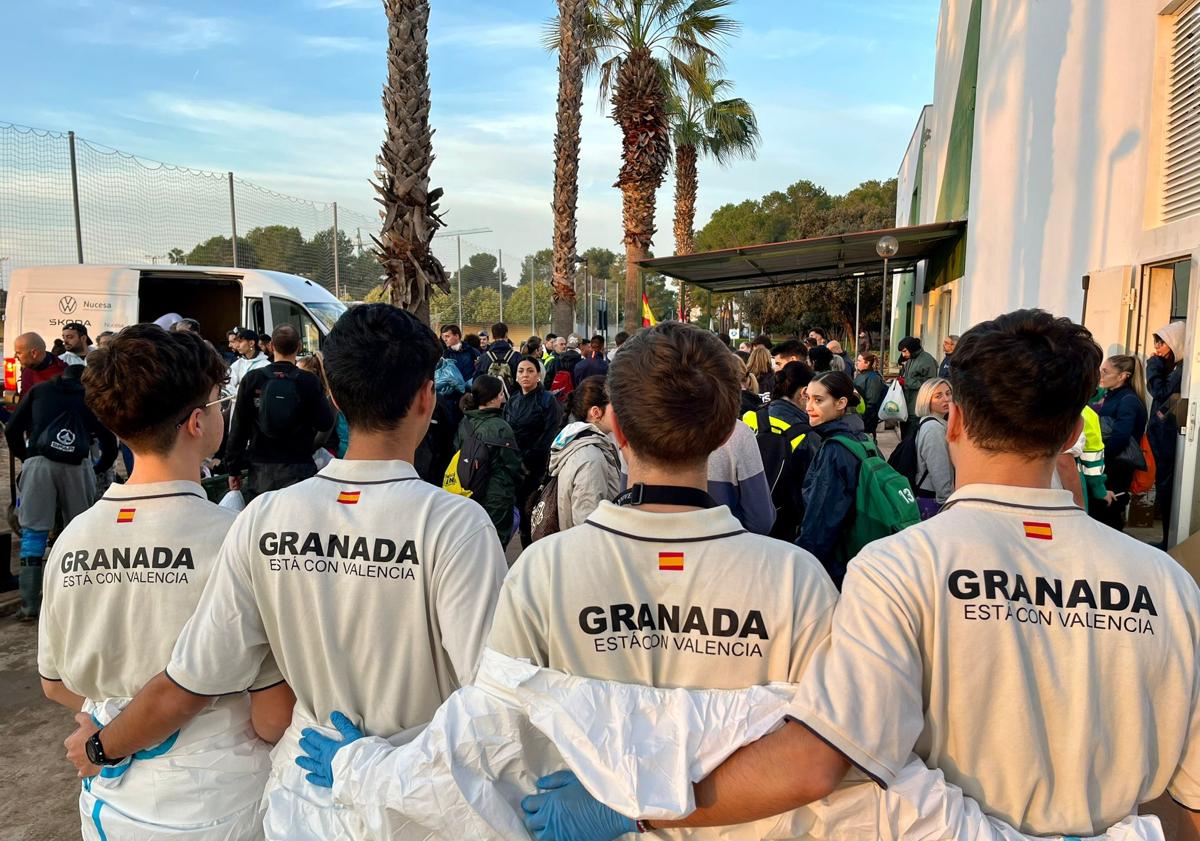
(588, 471)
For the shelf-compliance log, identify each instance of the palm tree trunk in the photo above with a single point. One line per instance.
(571, 19)
(639, 108)
(687, 185)
(409, 211)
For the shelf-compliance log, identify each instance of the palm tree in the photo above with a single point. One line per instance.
(572, 19)
(639, 48)
(703, 123)
(409, 214)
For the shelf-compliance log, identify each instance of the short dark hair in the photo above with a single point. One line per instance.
(472, 340)
(499, 330)
(286, 340)
(76, 327)
(820, 331)
(790, 347)
(913, 345)
(1045, 367)
(791, 378)
(142, 383)
(621, 338)
(552, 336)
(682, 424)
(762, 339)
(378, 358)
(821, 358)
(597, 340)
(451, 328)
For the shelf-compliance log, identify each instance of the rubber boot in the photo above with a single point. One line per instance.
(31, 588)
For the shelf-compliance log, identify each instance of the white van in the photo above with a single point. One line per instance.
(44, 298)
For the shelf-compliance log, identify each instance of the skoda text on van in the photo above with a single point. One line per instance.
(42, 299)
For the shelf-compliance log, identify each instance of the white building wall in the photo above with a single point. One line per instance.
(1062, 157)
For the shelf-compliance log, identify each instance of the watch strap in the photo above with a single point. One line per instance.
(644, 826)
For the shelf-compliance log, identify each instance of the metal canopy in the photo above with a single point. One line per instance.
(818, 260)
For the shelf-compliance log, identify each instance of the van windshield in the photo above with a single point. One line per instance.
(326, 312)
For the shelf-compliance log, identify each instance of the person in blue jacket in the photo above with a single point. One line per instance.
(1122, 414)
(461, 354)
(832, 480)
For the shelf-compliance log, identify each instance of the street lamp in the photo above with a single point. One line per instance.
(587, 281)
(887, 247)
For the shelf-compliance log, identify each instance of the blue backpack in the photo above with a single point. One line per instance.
(447, 379)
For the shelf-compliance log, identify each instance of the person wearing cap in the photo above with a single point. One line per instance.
(77, 343)
(249, 358)
(484, 340)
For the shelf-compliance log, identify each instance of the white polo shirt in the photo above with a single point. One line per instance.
(1047, 664)
(685, 599)
(120, 583)
(372, 588)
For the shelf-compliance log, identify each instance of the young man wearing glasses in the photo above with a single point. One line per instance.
(122, 580)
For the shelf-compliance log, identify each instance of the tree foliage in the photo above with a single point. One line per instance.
(802, 211)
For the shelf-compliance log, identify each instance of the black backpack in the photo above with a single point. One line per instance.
(279, 404)
(904, 458)
(776, 443)
(66, 439)
(541, 512)
(470, 469)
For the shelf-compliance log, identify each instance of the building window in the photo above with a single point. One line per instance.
(1181, 182)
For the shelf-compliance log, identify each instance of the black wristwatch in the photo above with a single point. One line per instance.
(95, 752)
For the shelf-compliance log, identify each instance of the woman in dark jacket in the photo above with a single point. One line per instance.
(787, 413)
(832, 481)
(535, 418)
(1164, 377)
(483, 417)
(871, 388)
(1122, 414)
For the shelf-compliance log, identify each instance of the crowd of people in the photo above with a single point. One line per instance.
(691, 517)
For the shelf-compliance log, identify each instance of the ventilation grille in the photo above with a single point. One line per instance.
(1182, 182)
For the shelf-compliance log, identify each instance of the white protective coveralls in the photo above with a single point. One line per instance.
(213, 765)
(638, 749)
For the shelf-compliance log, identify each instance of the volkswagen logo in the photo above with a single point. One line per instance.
(67, 304)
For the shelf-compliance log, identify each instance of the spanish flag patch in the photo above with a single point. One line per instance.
(670, 562)
(1039, 531)
(349, 497)
(125, 515)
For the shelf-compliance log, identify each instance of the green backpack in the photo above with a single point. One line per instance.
(884, 503)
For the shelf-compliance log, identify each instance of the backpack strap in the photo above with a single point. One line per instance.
(860, 449)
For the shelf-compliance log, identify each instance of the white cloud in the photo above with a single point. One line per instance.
(156, 28)
(334, 44)
(493, 36)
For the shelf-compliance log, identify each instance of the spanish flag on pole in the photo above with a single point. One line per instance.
(648, 319)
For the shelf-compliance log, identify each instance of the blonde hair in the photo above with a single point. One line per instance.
(925, 395)
(1132, 366)
(759, 362)
(749, 381)
(315, 364)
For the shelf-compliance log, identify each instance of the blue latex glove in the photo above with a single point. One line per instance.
(321, 748)
(564, 811)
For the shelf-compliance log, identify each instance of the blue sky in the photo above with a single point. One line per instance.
(286, 94)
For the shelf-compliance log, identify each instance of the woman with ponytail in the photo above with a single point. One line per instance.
(483, 418)
(832, 480)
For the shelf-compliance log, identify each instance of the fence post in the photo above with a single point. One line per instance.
(75, 197)
(233, 219)
(336, 276)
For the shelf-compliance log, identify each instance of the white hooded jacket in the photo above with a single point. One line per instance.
(588, 470)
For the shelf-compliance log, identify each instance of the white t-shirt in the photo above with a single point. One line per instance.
(120, 583)
(372, 588)
(1046, 663)
(686, 599)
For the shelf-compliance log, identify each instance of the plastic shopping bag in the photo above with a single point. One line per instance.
(894, 407)
(233, 500)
